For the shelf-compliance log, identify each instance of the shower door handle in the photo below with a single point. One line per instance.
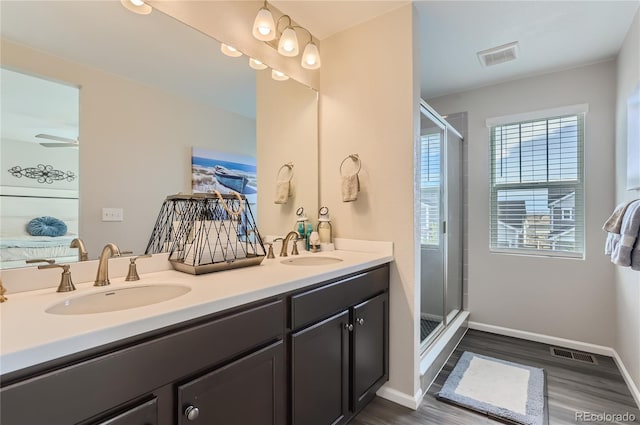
(444, 227)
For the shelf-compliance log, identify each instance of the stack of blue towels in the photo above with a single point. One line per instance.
(623, 239)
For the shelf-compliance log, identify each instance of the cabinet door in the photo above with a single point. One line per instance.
(370, 355)
(249, 391)
(320, 372)
(145, 414)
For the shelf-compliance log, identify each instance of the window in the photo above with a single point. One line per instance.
(430, 189)
(537, 186)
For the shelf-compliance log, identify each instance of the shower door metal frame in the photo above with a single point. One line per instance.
(440, 122)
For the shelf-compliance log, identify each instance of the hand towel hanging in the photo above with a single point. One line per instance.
(350, 183)
(283, 184)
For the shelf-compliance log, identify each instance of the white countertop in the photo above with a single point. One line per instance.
(30, 336)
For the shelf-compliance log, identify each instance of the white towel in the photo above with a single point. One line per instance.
(614, 222)
(350, 188)
(282, 191)
(613, 239)
(629, 231)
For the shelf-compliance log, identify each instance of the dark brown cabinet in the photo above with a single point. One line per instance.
(249, 391)
(339, 362)
(320, 372)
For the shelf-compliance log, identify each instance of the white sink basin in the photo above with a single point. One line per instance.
(118, 299)
(311, 261)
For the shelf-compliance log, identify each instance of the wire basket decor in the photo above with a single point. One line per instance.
(207, 232)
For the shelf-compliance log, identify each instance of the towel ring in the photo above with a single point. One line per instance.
(289, 166)
(355, 158)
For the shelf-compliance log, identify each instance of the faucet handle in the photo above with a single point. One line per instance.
(133, 270)
(294, 251)
(66, 285)
(40, 260)
(270, 254)
(131, 252)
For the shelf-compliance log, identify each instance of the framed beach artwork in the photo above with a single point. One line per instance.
(633, 139)
(224, 172)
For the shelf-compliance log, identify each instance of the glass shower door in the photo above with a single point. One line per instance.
(441, 224)
(432, 265)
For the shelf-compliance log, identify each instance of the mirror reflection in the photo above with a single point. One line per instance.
(151, 90)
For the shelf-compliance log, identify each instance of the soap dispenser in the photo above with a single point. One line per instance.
(324, 229)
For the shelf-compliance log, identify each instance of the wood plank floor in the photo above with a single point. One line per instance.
(572, 387)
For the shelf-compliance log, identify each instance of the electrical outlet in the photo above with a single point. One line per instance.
(112, 214)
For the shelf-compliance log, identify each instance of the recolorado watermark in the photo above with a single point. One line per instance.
(604, 417)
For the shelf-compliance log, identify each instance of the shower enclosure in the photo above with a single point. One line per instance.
(440, 225)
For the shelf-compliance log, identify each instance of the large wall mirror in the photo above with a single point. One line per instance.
(150, 90)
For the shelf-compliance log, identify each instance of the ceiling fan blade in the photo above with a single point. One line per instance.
(56, 138)
(59, 145)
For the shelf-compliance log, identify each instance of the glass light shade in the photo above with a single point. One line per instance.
(288, 44)
(279, 75)
(311, 56)
(256, 64)
(264, 28)
(137, 6)
(230, 51)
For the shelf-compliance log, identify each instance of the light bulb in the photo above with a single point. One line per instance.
(137, 6)
(288, 44)
(311, 56)
(279, 75)
(264, 28)
(230, 51)
(256, 64)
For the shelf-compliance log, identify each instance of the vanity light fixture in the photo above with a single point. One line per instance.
(137, 6)
(230, 50)
(279, 75)
(264, 27)
(256, 64)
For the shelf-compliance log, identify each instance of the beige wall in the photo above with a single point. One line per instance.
(565, 298)
(287, 131)
(369, 105)
(627, 282)
(135, 144)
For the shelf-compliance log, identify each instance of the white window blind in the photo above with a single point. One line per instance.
(537, 187)
(430, 189)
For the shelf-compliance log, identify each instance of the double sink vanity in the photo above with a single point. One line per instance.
(298, 340)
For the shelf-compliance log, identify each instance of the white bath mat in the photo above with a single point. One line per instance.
(504, 390)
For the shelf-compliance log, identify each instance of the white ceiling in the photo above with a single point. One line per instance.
(552, 35)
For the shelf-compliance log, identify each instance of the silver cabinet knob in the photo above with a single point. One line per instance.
(192, 413)
(360, 321)
(348, 326)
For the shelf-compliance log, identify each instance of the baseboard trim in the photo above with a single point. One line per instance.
(546, 339)
(635, 390)
(567, 343)
(401, 398)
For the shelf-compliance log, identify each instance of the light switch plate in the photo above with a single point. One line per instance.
(112, 214)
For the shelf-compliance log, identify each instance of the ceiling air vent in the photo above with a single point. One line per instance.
(573, 355)
(501, 54)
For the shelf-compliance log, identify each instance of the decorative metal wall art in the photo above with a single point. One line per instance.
(42, 173)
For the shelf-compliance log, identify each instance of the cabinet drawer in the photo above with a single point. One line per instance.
(96, 385)
(313, 305)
